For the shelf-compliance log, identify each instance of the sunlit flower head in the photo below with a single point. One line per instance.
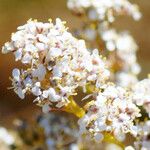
(56, 63)
(112, 112)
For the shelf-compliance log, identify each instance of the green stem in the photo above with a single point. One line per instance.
(74, 108)
(109, 138)
(79, 112)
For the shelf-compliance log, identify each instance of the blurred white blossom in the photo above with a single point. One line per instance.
(104, 9)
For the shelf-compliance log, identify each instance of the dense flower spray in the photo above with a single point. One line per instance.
(57, 63)
(58, 68)
(120, 50)
(112, 111)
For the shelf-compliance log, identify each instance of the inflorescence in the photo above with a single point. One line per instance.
(59, 67)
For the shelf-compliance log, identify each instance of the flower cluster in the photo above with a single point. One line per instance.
(142, 140)
(59, 67)
(119, 47)
(101, 10)
(141, 94)
(52, 131)
(123, 47)
(57, 63)
(112, 111)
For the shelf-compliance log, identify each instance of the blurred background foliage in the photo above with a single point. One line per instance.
(16, 12)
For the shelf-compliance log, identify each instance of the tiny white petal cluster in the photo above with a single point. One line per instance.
(113, 112)
(143, 140)
(104, 9)
(141, 94)
(57, 66)
(57, 63)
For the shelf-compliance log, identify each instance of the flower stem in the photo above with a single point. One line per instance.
(109, 138)
(74, 108)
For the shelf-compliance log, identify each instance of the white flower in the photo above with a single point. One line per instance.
(36, 89)
(16, 74)
(111, 92)
(18, 54)
(55, 52)
(39, 72)
(8, 47)
(52, 95)
(26, 58)
(57, 71)
(43, 38)
(45, 108)
(21, 93)
(30, 48)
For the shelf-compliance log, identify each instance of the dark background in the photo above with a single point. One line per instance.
(16, 12)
